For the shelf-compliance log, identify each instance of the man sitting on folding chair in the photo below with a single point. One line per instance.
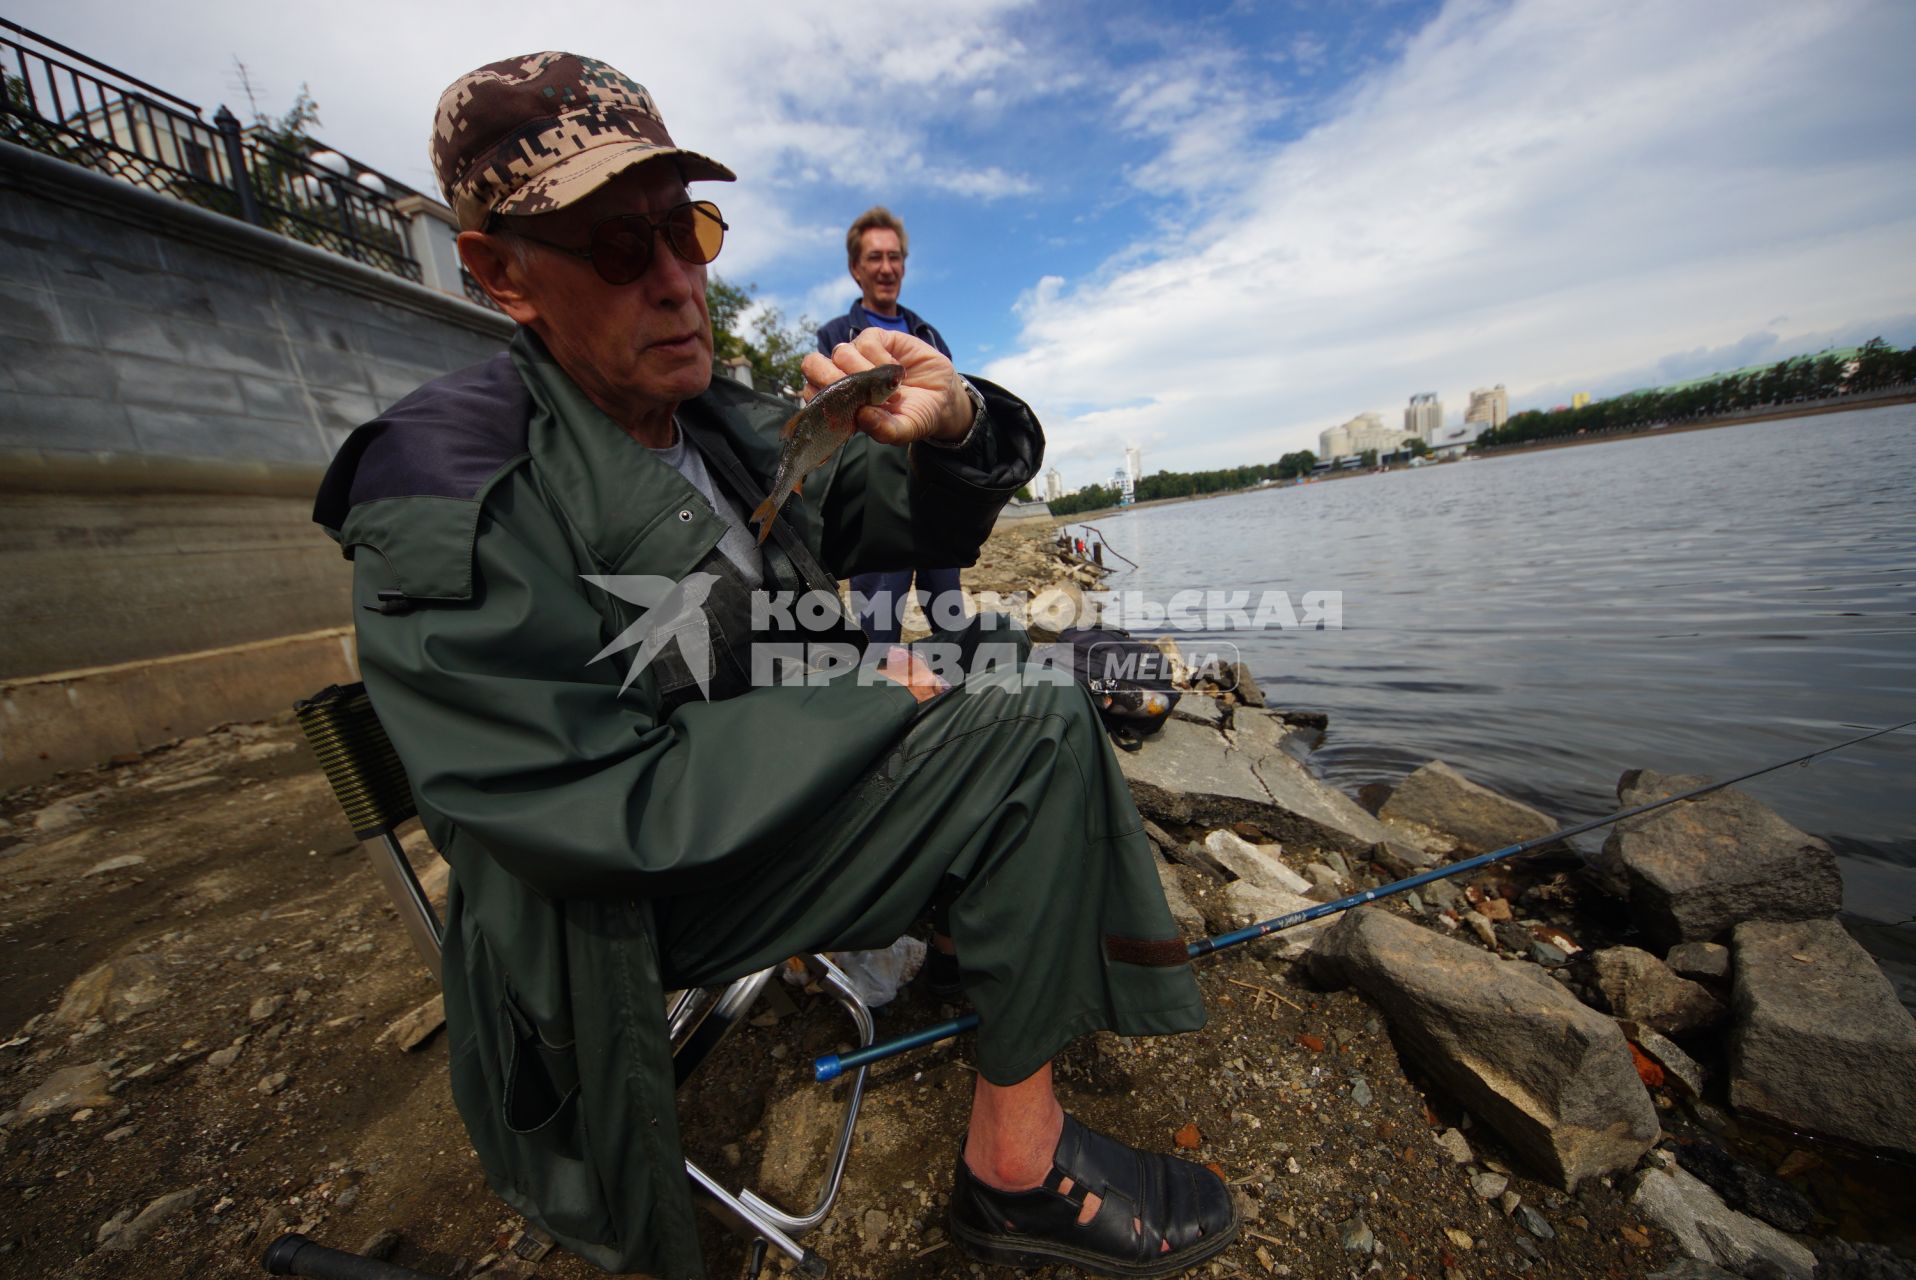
(559, 603)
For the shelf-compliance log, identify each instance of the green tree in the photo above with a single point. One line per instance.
(1293, 465)
(774, 348)
(277, 169)
(292, 131)
(1090, 498)
(1876, 366)
(726, 303)
(1417, 447)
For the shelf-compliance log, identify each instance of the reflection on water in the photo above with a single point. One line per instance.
(1703, 603)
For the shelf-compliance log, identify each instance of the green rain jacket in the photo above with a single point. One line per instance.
(563, 803)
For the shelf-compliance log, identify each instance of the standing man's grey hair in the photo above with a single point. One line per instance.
(876, 216)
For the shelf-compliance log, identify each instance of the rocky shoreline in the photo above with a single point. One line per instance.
(1671, 1062)
(1746, 996)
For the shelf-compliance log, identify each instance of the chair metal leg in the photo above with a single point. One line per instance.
(757, 1222)
(840, 988)
(402, 886)
(698, 1020)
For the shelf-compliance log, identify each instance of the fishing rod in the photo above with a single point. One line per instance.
(833, 1065)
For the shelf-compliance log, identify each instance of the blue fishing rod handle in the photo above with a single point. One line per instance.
(834, 1065)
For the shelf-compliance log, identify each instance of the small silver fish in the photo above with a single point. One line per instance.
(818, 430)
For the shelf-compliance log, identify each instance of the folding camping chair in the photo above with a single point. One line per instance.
(371, 786)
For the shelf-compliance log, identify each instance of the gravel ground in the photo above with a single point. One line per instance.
(241, 1080)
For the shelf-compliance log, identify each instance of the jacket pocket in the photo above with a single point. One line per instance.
(542, 1079)
(519, 1094)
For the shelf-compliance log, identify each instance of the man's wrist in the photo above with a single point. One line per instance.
(977, 420)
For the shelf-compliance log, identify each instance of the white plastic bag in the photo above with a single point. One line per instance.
(878, 976)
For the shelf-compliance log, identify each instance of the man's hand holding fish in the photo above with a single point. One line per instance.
(930, 403)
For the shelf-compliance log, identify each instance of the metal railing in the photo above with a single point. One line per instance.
(322, 198)
(475, 293)
(85, 112)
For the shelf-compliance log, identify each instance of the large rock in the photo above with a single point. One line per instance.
(113, 991)
(1554, 1078)
(1192, 774)
(1700, 961)
(1438, 796)
(1641, 987)
(1710, 1231)
(1201, 710)
(1681, 1073)
(1401, 859)
(1839, 1259)
(1821, 1042)
(1246, 861)
(68, 1089)
(1246, 903)
(1694, 870)
(121, 1236)
(58, 816)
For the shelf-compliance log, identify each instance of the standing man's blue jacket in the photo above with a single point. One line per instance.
(848, 326)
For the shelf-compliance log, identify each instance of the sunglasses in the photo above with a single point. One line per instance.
(620, 247)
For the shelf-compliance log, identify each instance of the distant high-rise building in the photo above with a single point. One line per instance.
(1134, 463)
(1053, 485)
(1490, 406)
(1424, 416)
(1580, 399)
(1127, 487)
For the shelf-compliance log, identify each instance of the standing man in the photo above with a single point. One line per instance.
(875, 249)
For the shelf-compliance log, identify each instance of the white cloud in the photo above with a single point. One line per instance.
(781, 91)
(1534, 193)
(1203, 107)
(828, 298)
(1307, 51)
(1546, 193)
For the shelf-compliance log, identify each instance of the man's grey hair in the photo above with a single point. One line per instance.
(517, 247)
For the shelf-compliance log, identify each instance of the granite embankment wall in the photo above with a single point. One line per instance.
(174, 383)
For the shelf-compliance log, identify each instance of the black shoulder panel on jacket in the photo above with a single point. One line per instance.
(445, 440)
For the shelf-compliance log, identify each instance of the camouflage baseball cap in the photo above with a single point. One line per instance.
(534, 133)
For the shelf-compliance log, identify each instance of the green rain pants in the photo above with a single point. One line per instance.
(1003, 794)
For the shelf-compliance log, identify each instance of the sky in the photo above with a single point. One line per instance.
(1214, 230)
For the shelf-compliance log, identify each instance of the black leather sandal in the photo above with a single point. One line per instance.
(1173, 1201)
